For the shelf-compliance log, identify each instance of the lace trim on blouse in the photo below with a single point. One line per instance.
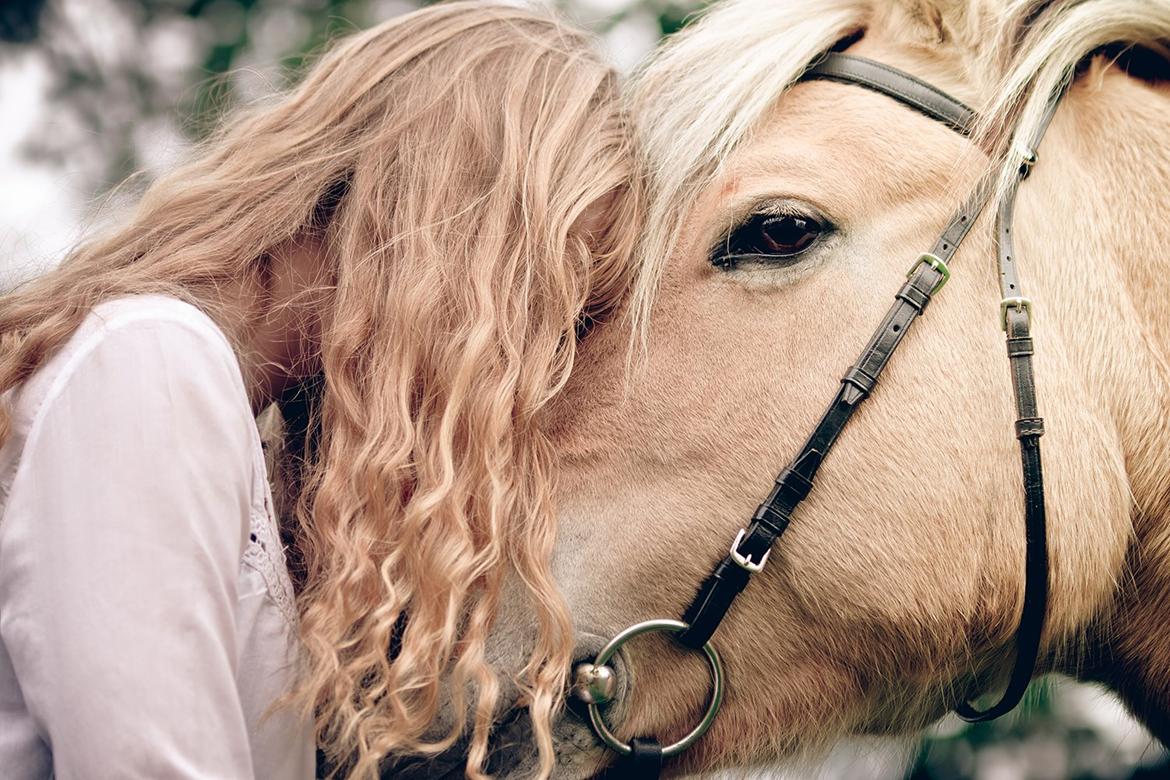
(265, 552)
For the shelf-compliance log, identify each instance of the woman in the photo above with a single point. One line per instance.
(409, 239)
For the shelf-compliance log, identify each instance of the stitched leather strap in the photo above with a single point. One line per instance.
(903, 87)
(1016, 312)
(1029, 428)
(794, 483)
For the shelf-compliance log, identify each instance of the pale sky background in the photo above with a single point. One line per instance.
(40, 205)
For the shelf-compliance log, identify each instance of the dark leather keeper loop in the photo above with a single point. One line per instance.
(859, 379)
(759, 539)
(646, 760)
(643, 763)
(1019, 324)
(1029, 426)
(712, 602)
(772, 519)
(914, 296)
(791, 488)
(1019, 347)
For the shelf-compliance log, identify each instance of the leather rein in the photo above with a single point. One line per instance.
(643, 757)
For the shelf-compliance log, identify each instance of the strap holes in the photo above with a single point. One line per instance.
(897, 328)
(963, 218)
(1011, 287)
(946, 247)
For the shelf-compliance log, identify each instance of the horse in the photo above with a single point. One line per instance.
(897, 591)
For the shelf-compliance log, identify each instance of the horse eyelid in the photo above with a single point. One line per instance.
(726, 260)
(721, 255)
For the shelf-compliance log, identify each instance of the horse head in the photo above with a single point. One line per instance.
(784, 213)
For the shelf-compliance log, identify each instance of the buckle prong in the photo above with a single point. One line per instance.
(741, 560)
(935, 262)
(1017, 302)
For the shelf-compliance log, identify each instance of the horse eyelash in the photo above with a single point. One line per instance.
(721, 255)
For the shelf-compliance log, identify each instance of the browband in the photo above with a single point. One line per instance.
(903, 87)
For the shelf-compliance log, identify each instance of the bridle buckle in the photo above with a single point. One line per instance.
(741, 560)
(1019, 303)
(935, 262)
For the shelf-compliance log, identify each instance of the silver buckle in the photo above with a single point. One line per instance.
(1018, 303)
(742, 561)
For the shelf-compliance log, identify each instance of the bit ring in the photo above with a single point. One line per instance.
(672, 626)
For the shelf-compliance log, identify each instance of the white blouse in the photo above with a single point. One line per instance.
(147, 621)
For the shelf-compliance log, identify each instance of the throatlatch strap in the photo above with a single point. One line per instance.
(1016, 316)
(1029, 429)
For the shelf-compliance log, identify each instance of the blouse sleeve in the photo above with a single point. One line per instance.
(130, 511)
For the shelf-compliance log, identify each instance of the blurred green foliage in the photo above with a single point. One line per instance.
(102, 97)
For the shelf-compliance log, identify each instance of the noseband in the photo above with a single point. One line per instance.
(749, 552)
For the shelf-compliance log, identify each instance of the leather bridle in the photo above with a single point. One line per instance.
(643, 757)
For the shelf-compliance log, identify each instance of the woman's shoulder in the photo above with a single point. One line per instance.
(117, 334)
(162, 316)
(128, 308)
(160, 350)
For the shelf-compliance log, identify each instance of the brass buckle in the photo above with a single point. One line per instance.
(1017, 302)
(935, 262)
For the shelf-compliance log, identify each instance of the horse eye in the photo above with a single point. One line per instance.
(766, 237)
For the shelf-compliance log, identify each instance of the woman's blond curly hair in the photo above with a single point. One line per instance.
(466, 170)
